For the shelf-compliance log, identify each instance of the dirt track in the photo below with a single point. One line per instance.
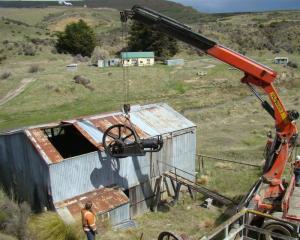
(15, 92)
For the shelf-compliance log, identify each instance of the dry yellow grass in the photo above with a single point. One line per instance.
(61, 24)
(203, 180)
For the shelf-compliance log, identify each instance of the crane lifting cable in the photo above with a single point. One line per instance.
(122, 140)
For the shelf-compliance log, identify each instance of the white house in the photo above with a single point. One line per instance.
(281, 60)
(137, 58)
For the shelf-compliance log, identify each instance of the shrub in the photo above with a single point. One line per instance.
(77, 38)
(99, 54)
(34, 68)
(29, 50)
(2, 58)
(80, 58)
(81, 80)
(6, 237)
(292, 64)
(143, 38)
(5, 75)
(49, 226)
(13, 217)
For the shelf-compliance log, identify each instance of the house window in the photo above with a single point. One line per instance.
(148, 61)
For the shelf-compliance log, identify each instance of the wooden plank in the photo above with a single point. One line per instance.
(198, 188)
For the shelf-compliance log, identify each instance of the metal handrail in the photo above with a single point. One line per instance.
(227, 160)
(177, 169)
(242, 219)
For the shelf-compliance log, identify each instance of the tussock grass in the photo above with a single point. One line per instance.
(13, 217)
(5, 75)
(49, 226)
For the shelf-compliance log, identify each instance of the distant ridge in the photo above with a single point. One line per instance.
(172, 9)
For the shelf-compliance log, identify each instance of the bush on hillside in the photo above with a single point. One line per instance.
(5, 75)
(34, 68)
(29, 50)
(99, 54)
(50, 226)
(292, 64)
(77, 38)
(13, 217)
(143, 38)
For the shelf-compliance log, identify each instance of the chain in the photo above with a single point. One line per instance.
(125, 70)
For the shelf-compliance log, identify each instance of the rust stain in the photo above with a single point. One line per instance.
(104, 200)
(44, 143)
(104, 123)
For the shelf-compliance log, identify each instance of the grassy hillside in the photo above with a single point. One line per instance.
(274, 31)
(35, 87)
(28, 57)
(172, 9)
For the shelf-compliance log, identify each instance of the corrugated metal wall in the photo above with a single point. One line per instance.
(24, 171)
(141, 198)
(119, 214)
(84, 173)
(184, 157)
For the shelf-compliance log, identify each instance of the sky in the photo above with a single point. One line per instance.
(215, 6)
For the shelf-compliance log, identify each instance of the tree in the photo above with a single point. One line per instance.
(99, 54)
(77, 38)
(143, 38)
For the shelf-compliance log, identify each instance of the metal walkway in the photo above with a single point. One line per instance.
(198, 188)
(239, 227)
(294, 208)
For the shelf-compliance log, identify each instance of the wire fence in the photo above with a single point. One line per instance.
(201, 159)
(230, 177)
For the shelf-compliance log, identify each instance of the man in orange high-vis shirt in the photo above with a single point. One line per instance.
(89, 221)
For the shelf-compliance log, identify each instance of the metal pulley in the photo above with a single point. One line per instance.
(121, 140)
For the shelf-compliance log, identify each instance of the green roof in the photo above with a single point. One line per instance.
(128, 55)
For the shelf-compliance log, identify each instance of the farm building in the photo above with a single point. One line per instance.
(174, 62)
(137, 58)
(281, 60)
(113, 62)
(61, 165)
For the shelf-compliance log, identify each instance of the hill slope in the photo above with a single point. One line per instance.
(172, 9)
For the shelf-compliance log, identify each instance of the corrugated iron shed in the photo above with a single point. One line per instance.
(55, 168)
(150, 120)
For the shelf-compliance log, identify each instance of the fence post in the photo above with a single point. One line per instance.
(199, 163)
(202, 163)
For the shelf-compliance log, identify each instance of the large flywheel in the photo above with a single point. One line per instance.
(122, 141)
(169, 236)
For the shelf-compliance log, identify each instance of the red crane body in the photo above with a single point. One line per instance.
(255, 74)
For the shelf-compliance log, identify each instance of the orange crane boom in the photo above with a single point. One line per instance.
(257, 75)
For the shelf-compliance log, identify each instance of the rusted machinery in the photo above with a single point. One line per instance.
(122, 140)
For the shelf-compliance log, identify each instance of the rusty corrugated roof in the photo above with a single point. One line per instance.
(43, 145)
(148, 121)
(103, 199)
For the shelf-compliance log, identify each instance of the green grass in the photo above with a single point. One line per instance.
(230, 124)
(50, 226)
(186, 218)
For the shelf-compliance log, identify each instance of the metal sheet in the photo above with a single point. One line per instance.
(87, 172)
(43, 145)
(104, 200)
(162, 119)
(105, 122)
(23, 170)
(92, 130)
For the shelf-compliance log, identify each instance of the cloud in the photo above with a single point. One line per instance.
(241, 5)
